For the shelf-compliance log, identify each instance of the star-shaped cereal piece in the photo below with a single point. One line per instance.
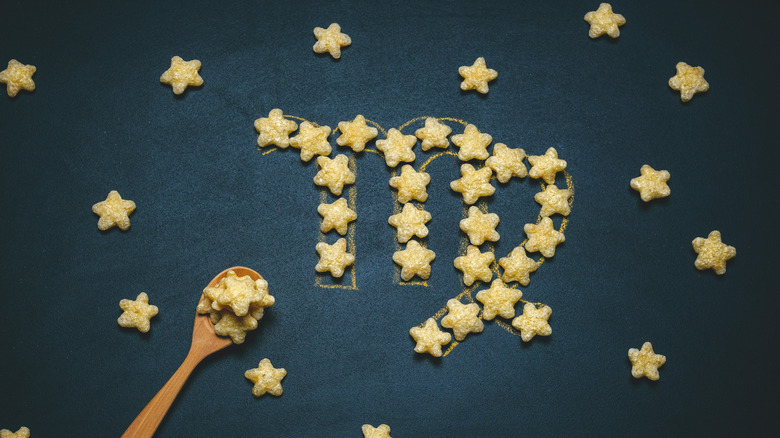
(113, 211)
(644, 362)
(411, 185)
(336, 216)
(266, 378)
(410, 222)
(533, 322)
(414, 260)
(499, 300)
(274, 129)
(334, 258)
(472, 143)
(477, 76)
(17, 77)
(23, 432)
(462, 319)
(137, 313)
(543, 237)
(604, 21)
(311, 140)
(712, 253)
(234, 326)
(507, 162)
(688, 81)
(356, 133)
(182, 74)
(554, 200)
(334, 174)
(473, 183)
(382, 431)
(480, 226)
(240, 294)
(546, 166)
(429, 338)
(651, 184)
(397, 147)
(475, 265)
(518, 266)
(331, 40)
(434, 134)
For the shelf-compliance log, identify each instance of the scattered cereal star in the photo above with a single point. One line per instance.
(645, 362)
(546, 166)
(414, 260)
(137, 313)
(474, 183)
(518, 266)
(356, 133)
(434, 134)
(334, 258)
(462, 319)
(266, 378)
(311, 140)
(334, 174)
(554, 200)
(472, 144)
(499, 300)
(331, 40)
(397, 147)
(23, 432)
(475, 265)
(651, 184)
(543, 237)
(410, 222)
(336, 216)
(240, 294)
(113, 211)
(411, 185)
(182, 74)
(17, 77)
(274, 129)
(383, 431)
(480, 226)
(429, 338)
(688, 81)
(712, 253)
(604, 21)
(477, 76)
(234, 326)
(507, 162)
(533, 322)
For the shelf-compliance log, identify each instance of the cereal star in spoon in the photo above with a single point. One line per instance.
(266, 378)
(688, 81)
(429, 338)
(311, 140)
(477, 76)
(472, 144)
(113, 211)
(604, 21)
(645, 362)
(712, 253)
(17, 77)
(543, 237)
(397, 147)
(462, 319)
(518, 266)
(434, 134)
(507, 162)
(473, 183)
(137, 313)
(356, 133)
(336, 216)
(331, 40)
(334, 173)
(651, 183)
(411, 185)
(410, 222)
(475, 265)
(182, 74)
(533, 322)
(499, 300)
(414, 260)
(334, 258)
(274, 129)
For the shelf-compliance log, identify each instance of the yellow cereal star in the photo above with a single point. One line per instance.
(533, 322)
(23, 432)
(429, 338)
(137, 313)
(477, 76)
(712, 253)
(688, 81)
(434, 134)
(480, 226)
(334, 174)
(518, 266)
(507, 162)
(473, 183)
(356, 133)
(17, 77)
(383, 431)
(397, 147)
(543, 237)
(645, 362)
(554, 200)
(182, 74)
(311, 140)
(604, 21)
(462, 319)
(334, 258)
(472, 144)
(410, 222)
(113, 211)
(414, 260)
(411, 185)
(546, 166)
(241, 294)
(336, 215)
(234, 326)
(651, 184)
(475, 265)
(499, 300)
(274, 129)
(266, 378)
(331, 40)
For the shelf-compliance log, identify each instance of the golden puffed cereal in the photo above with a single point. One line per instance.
(411, 185)
(480, 226)
(410, 222)
(17, 77)
(311, 140)
(543, 237)
(331, 40)
(434, 134)
(397, 147)
(554, 200)
(472, 144)
(334, 174)
(137, 313)
(712, 253)
(382, 431)
(476, 76)
(533, 322)
(604, 21)
(429, 338)
(644, 362)
(23, 432)
(651, 184)
(518, 266)
(546, 166)
(507, 162)
(113, 211)
(688, 81)
(473, 183)
(266, 378)
(336, 216)
(356, 133)
(475, 265)
(234, 326)
(182, 74)
(239, 294)
(334, 258)
(414, 260)
(462, 319)
(274, 129)
(499, 300)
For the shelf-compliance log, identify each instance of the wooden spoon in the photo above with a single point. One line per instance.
(204, 342)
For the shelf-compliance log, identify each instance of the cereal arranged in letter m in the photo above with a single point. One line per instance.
(334, 258)
(17, 77)
(411, 185)
(113, 211)
(462, 319)
(334, 173)
(414, 260)
(533, 322)
(429, 338)
(274, 129)
(182, 74)
(356, 133)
